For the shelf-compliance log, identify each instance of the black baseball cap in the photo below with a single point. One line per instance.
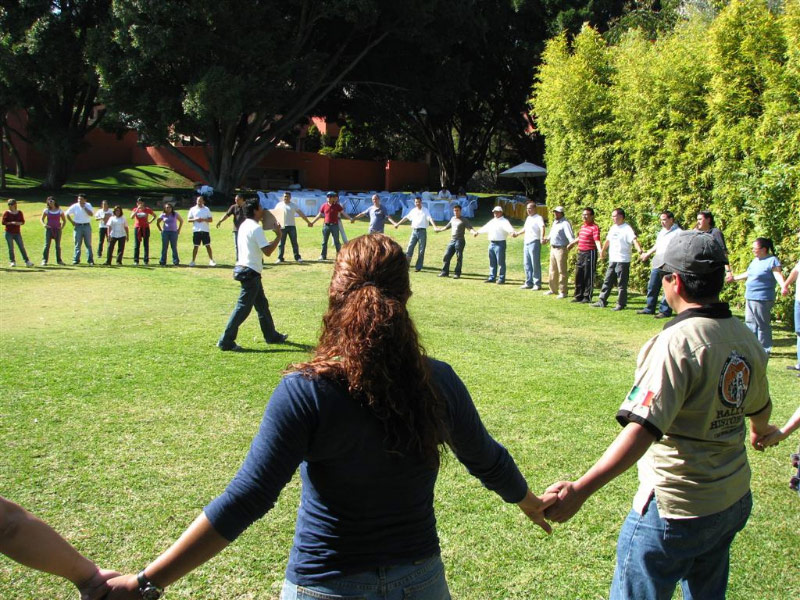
(692, 252)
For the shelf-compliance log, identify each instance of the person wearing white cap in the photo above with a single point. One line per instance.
(560, 238)
(497, 230)
(684, 424)
(419, 217)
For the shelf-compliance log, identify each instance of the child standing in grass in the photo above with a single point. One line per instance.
(118, 234)
(53, 220)
(13, 219)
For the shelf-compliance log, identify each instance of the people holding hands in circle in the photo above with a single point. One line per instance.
(377, 216)
(366, 419)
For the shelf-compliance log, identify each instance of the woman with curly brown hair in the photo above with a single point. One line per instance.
(366, 419)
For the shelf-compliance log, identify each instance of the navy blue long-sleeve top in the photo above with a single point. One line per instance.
(361, 507)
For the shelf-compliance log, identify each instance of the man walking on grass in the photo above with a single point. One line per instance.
(684, 423)
(252, 245)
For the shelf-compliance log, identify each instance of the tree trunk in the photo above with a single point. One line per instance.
(59, 165)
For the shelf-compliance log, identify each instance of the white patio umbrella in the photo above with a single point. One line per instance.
(525, 172)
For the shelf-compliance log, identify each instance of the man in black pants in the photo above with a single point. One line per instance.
(588, 242)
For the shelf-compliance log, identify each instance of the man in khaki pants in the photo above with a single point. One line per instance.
(560, 238)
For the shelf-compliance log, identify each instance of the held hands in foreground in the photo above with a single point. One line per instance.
(569, 501)
(96, 586)
(124, 587)
(534, 507)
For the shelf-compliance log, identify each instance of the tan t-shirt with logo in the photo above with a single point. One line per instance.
(695, 382)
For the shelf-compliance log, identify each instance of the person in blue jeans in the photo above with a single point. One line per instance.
(252, 244)
(684, 423)
(366, 420)
(668, 230)
(759, 295)
(169, 223)
(80, 214)
(419, 217)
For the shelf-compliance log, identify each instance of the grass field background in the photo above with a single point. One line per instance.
(120, 419)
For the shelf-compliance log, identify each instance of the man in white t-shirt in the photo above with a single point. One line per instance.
(80, 215)
(534, 230)
(497, 230)
(418, 217)
(200, 217)
(285, 212)
(252, 244)
(668, 230)
(618, 242)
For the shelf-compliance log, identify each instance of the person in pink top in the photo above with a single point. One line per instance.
(53, 220)
(12, 220)
(142, 217)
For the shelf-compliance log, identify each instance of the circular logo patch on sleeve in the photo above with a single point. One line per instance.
(734, 380)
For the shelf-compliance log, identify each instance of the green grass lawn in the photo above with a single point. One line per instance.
(120, 419)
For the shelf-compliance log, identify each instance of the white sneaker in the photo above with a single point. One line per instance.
(191, 264)
(12, 264)
(548, 293)
(560, 297)
(44, 263)
(211, 263)
(536, 288)
(28, 263)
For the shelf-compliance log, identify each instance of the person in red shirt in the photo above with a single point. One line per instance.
(586, 266)
(142, 217)
(330, 212)
(12, 219)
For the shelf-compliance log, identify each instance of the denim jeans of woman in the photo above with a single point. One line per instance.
(420, 580)
(52, 235)
(15, 238)
(169, 238)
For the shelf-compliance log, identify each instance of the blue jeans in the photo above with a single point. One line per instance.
(11, 239)
(420, 236)
(251, 295)
(532, 259)
(653, 290)
(169, 238)
(83, 235)
(497, 261)
(236, 243)
(49, 236)
(456, 247)
(328, 230)
(654, 554)
(757, 318)
(410, 581)
(289, 231)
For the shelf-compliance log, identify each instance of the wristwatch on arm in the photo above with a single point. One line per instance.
(147, 589)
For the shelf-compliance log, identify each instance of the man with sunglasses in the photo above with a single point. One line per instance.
(684, 424)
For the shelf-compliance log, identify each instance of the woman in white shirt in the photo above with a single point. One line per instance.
(118, 234)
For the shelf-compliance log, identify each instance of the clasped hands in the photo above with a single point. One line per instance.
(558, 504)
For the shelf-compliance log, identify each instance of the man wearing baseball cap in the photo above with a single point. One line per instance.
(560, 240)
(684, 423)
(498, 229)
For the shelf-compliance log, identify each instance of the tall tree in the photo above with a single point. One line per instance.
(237, 75)
(466, 77)
(47, 70)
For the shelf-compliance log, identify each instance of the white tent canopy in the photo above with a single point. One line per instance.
(523, 170)
(526, 172)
